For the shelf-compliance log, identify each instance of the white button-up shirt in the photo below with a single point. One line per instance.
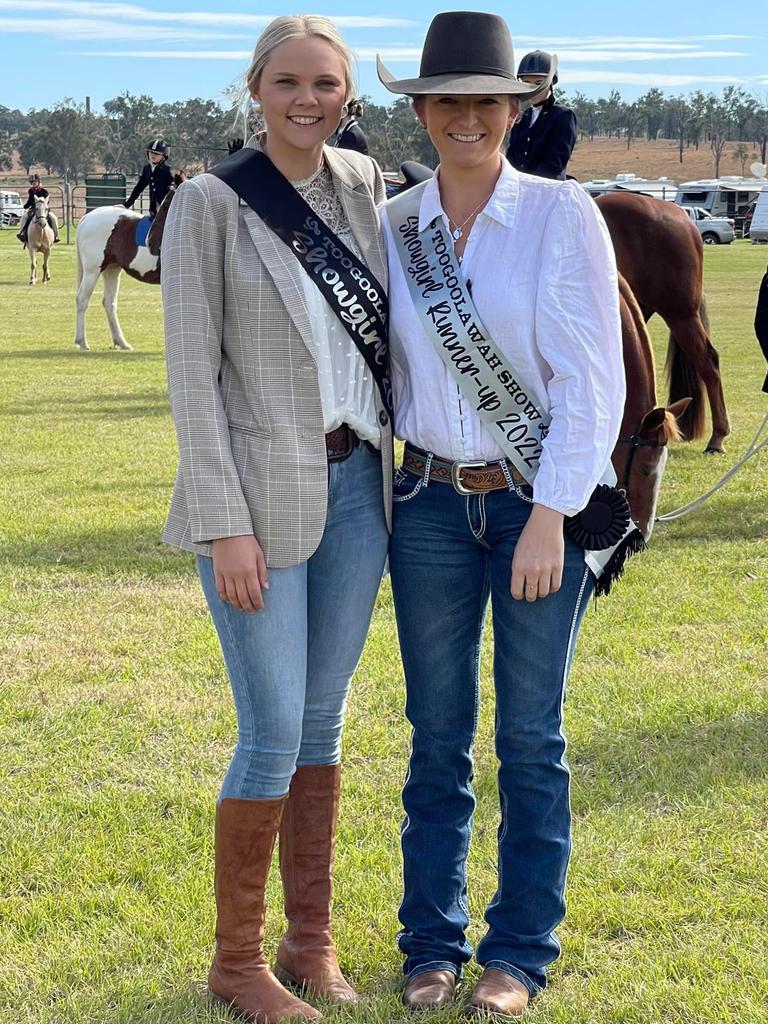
(543, 279)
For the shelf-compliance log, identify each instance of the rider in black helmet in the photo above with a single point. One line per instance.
(36, 191)
(156, 175)
(542, 141)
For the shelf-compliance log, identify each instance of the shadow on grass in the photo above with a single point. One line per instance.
(128, 406)
(129, 551)
(724, 517)
(74, 352)
(682, 763)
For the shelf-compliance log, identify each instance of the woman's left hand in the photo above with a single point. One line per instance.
(537, 565)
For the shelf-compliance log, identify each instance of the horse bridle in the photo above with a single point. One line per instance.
(635, 441)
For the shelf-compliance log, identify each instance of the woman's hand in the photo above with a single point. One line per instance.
(240, 571)
(537, 565)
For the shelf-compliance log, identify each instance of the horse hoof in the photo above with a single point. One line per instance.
(82, 345)
(710, 450)
(125, 347)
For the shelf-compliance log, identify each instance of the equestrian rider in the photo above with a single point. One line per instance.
(36, 192)
(156, 175)
(542, 141)
(349, 134)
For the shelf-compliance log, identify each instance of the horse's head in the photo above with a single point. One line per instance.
(41, 209)
(641, 458)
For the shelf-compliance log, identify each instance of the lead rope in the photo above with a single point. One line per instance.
(753, 449)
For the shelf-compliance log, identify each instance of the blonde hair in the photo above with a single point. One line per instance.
(298, 26)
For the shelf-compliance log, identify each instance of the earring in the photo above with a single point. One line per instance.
(345, 110)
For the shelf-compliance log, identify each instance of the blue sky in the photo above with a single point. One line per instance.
(175, 49)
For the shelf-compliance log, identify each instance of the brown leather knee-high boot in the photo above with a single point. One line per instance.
(239, 975)
(307, 954)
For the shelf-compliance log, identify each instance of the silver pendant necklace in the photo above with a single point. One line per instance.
(458, 231)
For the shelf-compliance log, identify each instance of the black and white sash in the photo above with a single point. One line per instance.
(497, 393)
(349, 287)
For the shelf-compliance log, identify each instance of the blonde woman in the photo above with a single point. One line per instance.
(280, 400)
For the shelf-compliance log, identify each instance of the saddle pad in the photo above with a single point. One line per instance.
(142, 230)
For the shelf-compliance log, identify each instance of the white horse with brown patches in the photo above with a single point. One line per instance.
(39, 239)
(106, 246)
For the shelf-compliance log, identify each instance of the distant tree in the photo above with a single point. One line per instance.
(197, 130)
(72, 141)
(741, 153)
(680, 114)
(587, 114)
(651, 109)
(759, 125)
(632, 117)
(130, 122)
(611, 112)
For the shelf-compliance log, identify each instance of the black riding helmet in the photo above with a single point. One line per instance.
(159, 146)
(536, 63)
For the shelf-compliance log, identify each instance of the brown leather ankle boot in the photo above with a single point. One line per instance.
(307, 954)
(239, 974)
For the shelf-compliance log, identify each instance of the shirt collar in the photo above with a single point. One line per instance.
(500, 207)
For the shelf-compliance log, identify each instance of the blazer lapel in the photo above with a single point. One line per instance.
(360, 210)
(284, 269)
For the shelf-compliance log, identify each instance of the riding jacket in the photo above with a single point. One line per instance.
(156, 177)
(542, 143)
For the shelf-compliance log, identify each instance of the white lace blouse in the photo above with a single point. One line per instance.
(346, 384)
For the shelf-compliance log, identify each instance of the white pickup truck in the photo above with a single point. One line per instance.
(11, 208)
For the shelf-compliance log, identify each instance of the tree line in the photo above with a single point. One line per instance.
(70, 140)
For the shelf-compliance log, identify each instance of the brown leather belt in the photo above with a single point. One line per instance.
(466, 477)
(340, 443)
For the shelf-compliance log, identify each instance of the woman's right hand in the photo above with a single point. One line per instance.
(240, 570)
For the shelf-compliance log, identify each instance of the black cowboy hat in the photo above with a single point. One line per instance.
(466, 52)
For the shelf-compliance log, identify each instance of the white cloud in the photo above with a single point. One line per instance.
(134, 12)
(657, 78)
(83, 28)
(568, 56)
(241, 55)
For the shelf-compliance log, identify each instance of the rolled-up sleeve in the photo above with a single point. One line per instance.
(192, 282)
(578, 333)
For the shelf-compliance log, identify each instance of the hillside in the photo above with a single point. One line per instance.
(604, 158)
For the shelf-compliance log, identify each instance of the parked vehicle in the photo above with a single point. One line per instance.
(11, 209)
(713, 230)
(728, 196)
(758, 230)
(657, 188)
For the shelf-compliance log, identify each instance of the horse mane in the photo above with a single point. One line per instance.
(639, 320)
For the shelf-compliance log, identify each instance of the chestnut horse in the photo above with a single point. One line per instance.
(106, 246)
(640, 455)
(660, 253)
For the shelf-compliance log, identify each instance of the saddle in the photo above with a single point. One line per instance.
(142, 230)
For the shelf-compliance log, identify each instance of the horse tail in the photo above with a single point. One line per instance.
(684, 382)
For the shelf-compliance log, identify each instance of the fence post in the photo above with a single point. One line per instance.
(68, 205)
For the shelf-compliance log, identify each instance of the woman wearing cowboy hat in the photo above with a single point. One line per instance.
(491, 272)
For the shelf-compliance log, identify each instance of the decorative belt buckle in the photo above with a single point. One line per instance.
(456, 469)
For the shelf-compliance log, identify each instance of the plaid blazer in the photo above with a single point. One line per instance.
(242, 381)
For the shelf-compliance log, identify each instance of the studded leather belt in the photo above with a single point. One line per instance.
(466, 477)
(340, 443)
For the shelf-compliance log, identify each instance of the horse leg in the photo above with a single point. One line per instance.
(33, 265)
(111, 275)
(46, 272)
(86, 283)
(692, 339)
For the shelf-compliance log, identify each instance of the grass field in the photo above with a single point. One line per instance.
(116, 723)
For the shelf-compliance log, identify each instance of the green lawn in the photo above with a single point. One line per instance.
(116, 723)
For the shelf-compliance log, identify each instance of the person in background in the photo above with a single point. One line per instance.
(542, 140)
(761, 320)
(350, 135)
(36, 191)
(156, 176)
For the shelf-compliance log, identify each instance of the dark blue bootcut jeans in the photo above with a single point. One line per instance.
(450, 553)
